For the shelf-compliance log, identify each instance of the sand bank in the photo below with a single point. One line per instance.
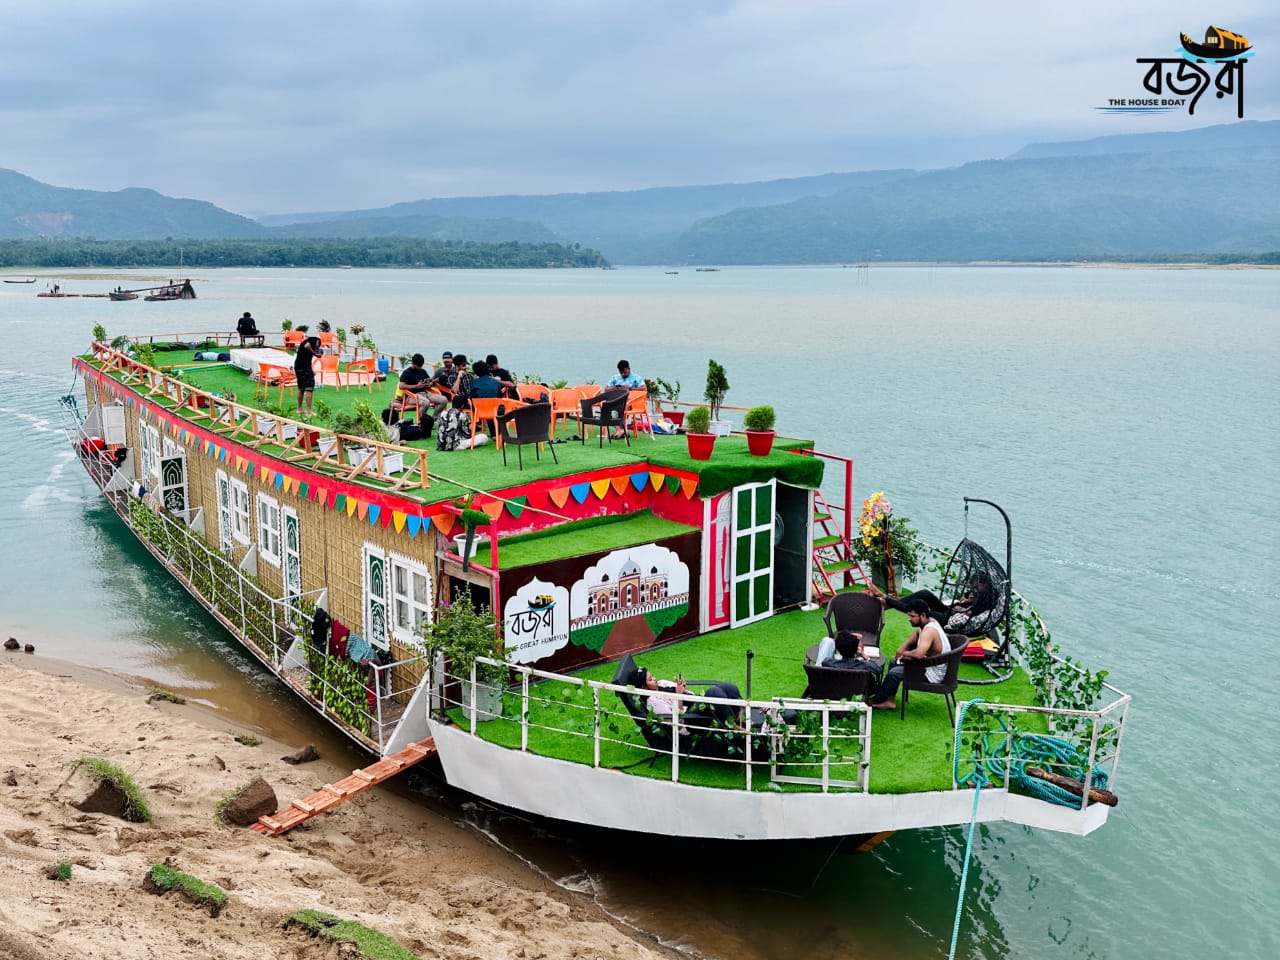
(378, 858)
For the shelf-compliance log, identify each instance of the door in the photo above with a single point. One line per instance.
(751, 556)
(224, 513)
(291, 554)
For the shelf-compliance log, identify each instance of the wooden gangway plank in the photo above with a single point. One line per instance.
(332, 794)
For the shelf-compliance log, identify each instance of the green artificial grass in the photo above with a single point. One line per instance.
(136, 810)
(371, 944)
(907, 755)
(596, 535)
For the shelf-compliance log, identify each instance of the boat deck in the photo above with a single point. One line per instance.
(453, 474)
(911, 754)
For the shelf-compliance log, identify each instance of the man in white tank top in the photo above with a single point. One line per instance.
(928, 640)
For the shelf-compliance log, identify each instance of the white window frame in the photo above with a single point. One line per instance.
(270, 531)
(149, 444)
(422, 612)
(241, 528)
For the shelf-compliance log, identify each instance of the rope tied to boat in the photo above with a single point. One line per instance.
(1004, 751)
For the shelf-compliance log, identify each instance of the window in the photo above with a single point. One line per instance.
(269, 529)
(149, 444)
(410, 598)
(240, 528)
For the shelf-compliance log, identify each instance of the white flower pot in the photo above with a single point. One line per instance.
(719, 428)
(267, 427)
(460, 546)
(486, 697)
(391, 462)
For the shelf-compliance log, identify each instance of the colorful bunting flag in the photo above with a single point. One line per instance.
(515, 506)
(374, 510)
(690, 486)
(398, 519)
(619, 485)
(600, 488)
(580, 491)
(559, 497)
(638, 480)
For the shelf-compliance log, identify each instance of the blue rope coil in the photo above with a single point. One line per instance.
(1022, 750)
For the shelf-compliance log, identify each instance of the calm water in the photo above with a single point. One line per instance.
(1124, 418)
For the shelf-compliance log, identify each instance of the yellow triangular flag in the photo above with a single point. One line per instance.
(351, 505)
(397, 519)
(655, 479)
(600, 488)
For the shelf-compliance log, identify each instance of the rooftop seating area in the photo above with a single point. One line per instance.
(194, 388)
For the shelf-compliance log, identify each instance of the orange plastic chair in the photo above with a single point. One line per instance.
(638, 412)
(270, 374)
(485, 410)
(532, 392)
(328, 340)
(564, 404)
(292, 338)
(326, 367)
(366, 369)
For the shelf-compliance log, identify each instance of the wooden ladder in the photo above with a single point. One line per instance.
(832, 554)
(332, 794)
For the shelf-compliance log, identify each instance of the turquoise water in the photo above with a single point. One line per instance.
(1124, 418)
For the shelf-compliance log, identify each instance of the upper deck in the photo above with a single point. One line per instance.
(221, 403)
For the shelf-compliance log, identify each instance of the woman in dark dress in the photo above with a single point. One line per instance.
(309, 350)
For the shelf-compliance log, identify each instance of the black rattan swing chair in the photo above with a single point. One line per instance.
(970, 559)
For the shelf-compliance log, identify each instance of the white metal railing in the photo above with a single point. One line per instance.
(820, 744)
(271, 628)
(1098, 751)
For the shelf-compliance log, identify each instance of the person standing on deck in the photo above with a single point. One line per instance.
(309, 350)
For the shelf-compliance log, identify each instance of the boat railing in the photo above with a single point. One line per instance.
(820, 744)
(1085, 743)
(200, 340)
(367, 700)
(343, 455)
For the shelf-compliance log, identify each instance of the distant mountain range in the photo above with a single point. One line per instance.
(1208, 190)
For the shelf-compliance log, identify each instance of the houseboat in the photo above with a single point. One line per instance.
(331, 556)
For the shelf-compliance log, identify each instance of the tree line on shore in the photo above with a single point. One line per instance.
(367, 252)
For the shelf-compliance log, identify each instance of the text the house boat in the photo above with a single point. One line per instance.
(328, 568)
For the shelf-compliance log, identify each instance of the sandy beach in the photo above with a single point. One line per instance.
(377, 859)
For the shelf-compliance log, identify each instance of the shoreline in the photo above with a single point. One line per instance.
(434, 886)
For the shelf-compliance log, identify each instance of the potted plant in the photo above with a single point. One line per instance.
(286, 324)
(363, 422)
(698, 435)
(323, 326)
(887, 542)
(661, 390)
(465, 542)
(460, 634)
(758, 423)
(717, 387)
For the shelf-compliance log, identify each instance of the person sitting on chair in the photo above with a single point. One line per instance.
(247, 327)
(485, 385)
(928, 640)
(724, 713)
(847, 654)
(980, 597)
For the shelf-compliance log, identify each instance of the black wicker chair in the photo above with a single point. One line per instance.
(611, 416)
(533, 425)
(914, 678)
(859, 612)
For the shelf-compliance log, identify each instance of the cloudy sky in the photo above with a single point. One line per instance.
(279, 106)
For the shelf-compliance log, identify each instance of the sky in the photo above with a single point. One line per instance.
(277, 106)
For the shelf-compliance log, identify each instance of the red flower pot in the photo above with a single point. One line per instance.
(675, 416)
(700, 445)
(760, 442)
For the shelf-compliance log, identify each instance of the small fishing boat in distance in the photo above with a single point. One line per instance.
(118, 294)
(19, 279)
